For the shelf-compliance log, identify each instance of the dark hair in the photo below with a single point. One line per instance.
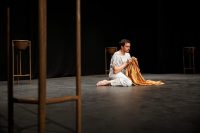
(123, 42)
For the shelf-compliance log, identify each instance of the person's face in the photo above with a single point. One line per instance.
(126, 47)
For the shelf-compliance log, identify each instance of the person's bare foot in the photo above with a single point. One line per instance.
(103, 82)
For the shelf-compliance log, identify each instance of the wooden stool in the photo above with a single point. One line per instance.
(19, 48)
(189, 59)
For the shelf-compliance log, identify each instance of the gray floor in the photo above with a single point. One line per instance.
(170, 108)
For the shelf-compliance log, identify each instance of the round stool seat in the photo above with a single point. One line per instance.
(21, 44)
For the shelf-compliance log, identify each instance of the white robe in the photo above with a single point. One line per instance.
(119, 79)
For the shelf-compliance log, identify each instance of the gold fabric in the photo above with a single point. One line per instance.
(133, 72)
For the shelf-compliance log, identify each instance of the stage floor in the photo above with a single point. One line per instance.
(170, 108)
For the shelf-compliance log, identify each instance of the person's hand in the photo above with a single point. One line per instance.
(134, 58)
(129, 61)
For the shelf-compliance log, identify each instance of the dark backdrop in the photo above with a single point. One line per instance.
(158, 30)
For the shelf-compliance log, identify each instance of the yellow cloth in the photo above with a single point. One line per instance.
(133, 72)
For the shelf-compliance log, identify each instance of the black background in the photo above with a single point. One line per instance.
(158, 31)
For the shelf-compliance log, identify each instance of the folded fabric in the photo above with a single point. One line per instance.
(133, 72)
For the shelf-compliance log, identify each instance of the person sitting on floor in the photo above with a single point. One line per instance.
(118, 64)
(124, 69)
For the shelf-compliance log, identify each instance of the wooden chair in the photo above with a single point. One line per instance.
(189, 59)
(109, 51)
